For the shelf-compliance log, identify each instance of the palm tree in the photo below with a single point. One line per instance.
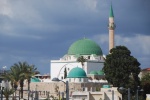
(18, 73)
(30, 71)
(20, 67)
(13, 77)
(81, 59)
(7, 76)
(7, 92)
(27, 72)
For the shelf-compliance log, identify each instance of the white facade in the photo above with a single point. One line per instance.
(104, 94)
(70, 61)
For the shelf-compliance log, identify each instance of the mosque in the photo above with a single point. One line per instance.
(85, 78)
(87, 49)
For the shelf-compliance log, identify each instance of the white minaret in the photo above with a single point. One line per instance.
(111, 28)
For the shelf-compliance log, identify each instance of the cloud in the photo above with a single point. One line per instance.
(90, 4)
(18, 17)
(44, 29)
(138, 43)
(5, 8)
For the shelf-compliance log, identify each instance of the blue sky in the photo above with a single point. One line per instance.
(37, 31)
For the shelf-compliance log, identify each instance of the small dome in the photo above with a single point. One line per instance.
(77, 73)
(94, 72)
(84, 47)
(100, 72)
(34, 79)
(106, 86)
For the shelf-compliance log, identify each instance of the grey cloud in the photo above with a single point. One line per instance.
(44, 29)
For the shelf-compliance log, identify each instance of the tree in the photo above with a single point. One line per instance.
(145, 81)
(65, 73)
(20, 68)
(120, 67)
(13, 77)
(28, 73)
(7, 76)
(7, 92)
(18, 73)
(81, 59)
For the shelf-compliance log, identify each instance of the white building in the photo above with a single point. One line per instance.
(104, 94)
(87, 48)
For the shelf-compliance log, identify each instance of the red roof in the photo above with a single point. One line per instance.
(146, 69)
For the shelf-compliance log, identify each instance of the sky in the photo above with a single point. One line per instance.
(37, 31)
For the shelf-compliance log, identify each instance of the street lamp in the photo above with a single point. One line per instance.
(36, 93)
(137, 92)
(67, 86)
(1, 91)
(4, 67)
(122, 88)
(112, 94)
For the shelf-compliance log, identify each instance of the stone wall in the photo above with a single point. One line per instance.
(54, 88)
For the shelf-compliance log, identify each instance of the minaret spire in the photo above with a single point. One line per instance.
(111, 14)
(111, 28)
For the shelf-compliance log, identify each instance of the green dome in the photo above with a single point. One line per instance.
(34, 79)
(106, 86)
(100, 72)
(94, 72)
(84, 47)
(77, 73)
